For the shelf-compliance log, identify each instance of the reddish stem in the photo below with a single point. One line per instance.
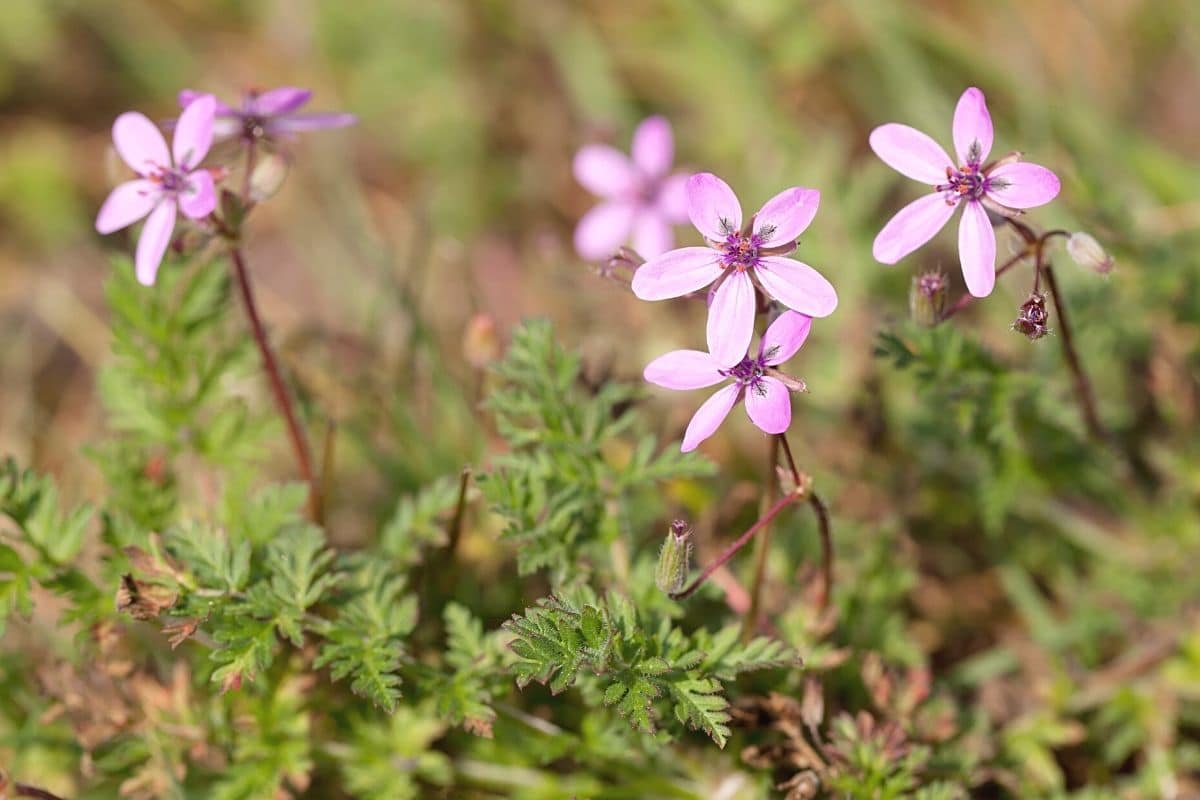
(739, 543)
(278, 389)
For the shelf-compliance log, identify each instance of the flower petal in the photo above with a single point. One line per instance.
(797, 285)
(784, 337)
(911, 153)
(1023, 185)
(977, 249)
(188, 96)
(194, 132)
(200, 198)
(283, 100)
(312, 121)
(139, 143)
(605, 171)
(672, 198)
(769, 404)
(731, 319)
(603, 229)
(713, 207)
(785, 216)
(709, 417)
(653, 147)
(156, 235)
(684, 369)
(126, 204)
(972, 128)
(676, 273)
(652, 235)
(911, 227)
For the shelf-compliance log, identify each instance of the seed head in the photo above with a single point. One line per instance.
(1031, 321)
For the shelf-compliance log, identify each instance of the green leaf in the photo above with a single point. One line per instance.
(699, 703)
(416, 523)
(364, 641)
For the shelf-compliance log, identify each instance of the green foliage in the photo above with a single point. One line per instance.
(49, 537)
(557, 485)
(364, 641)
(416, 523)
(560, 641)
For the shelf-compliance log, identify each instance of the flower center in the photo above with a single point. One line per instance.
(253, 127)
(747, 372)
(966, 182)
(171, 179)
(740, 252)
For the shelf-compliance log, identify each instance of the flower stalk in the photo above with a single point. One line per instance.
(279, 391)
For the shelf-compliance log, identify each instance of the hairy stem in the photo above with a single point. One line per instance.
(739, 543)
(278, 389)
(826, 552)
(750, 621)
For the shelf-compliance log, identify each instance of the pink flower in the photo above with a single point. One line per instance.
(1003, 186)
(167, 180)
(273, 114)
(739, 260)
(754, 379)
(640, 200)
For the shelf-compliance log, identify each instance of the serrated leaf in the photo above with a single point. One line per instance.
(700, 704)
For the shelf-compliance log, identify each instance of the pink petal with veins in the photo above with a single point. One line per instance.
(709, 417)
(713, 207)
(911, 227)
(911, 153)
(1023, 185)
(977, 249)
(684, 369)
(797, 285)
(731, 319)
(972, 125)
(786, 215)
(769, 405)
(676, 273)
(784, 337)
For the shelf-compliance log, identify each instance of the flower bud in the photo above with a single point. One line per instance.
(1087, 252)
(674, 558)
(1031, 322)
(927, 298)
(481, 344)
(268, 175)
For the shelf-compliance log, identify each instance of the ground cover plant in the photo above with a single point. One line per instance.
(476, 400)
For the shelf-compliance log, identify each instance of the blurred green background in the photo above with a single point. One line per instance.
(454, 194)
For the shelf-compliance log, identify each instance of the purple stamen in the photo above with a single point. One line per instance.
(747, 372)
(740, 252)
(172, 181)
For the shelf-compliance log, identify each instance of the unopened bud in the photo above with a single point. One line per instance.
(674, 558)
(1087, 252)
(1031, 321)
(268, 175)
(481, 344)
(927, 298)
